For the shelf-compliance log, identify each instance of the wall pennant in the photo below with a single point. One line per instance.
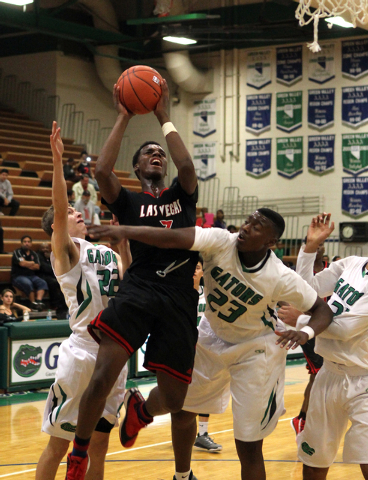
(289, 65)
(355, 153)
(321, 105)
(321, 65)
(355, 106)
(354, 198)
(321, 152)
(204, 117)
(289, 155)
(204, 159)
(289, 111)
(354, 57)
(258, 157)
(258, 118)
(259, 68)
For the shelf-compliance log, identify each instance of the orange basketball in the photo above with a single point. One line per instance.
(140, 89)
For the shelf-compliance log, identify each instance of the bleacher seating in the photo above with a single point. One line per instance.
(26, 153)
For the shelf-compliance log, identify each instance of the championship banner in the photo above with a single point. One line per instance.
(258, 157)
(289, 155)
(258, 118)
(259, 69)
(355, 106)
(204, 117)
(321, 152)
(355, 153)
(289, 111)
(289, 65)
(354, 54)
(354, 200)
(321, 65)
(204, 159)
(321, 105)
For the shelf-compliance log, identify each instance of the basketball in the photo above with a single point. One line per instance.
(140, 89)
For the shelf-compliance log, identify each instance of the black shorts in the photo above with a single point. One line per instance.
(167, 313)
(314, 361)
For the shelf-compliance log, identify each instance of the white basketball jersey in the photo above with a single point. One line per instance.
(88, 286)
(201, 304)
(241, 301)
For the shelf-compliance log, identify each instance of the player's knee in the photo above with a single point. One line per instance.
(172, 403)
(182, 420)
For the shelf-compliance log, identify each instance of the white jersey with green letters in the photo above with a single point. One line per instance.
(201, 304)
(241, 301)
(88, 286)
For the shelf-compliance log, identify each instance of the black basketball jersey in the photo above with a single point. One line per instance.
(174, 208)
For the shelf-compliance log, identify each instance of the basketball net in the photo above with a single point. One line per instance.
(358, 10)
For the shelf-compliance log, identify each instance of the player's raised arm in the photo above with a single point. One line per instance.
(107, 181)
(66, 254)
(181, 238)
(178, 151)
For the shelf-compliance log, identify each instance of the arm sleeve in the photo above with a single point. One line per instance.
(293, 289)
(210, 240)
(10, 193)
(323, 282)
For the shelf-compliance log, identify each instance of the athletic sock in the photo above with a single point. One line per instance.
(143, 414)
(202, 428)
(182, 475)
(302, 415)
(80, 447)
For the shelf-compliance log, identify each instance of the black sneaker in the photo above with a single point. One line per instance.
(191, 477)
(36, 307)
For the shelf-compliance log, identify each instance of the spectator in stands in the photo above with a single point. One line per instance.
(71, 197)
(336, 257)
(1, 240)
(25, 264)
(6, 193)
(46, 273)
(326, 259)
(87, 208)
(232, 229)
(84, 168)
(69, 172)
(279, 250)
(83, 185)
(219, 220)
(9, 309)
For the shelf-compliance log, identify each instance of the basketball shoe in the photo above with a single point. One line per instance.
(132, 423)
(191, 477)
(76, 467)
(297, 424)
(205, 442)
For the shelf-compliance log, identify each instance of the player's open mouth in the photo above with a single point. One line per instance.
(156, 162)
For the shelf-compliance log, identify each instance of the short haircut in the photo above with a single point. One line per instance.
(86, 193)
(70, 159)
(85, 175)
(70, 192)
(48, 220)
(137, 153)
(4, 170)
(83, 152)
(275, 218)
(200, 259)
(26, 236)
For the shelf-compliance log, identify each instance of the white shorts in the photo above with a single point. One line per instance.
(76, 363)
(252, 372)
(338, 394)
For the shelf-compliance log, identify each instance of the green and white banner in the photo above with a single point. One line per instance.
(289, 111)
(204, 159)
(355, 153)
(289, 156)
(204, 117)
(259, 68)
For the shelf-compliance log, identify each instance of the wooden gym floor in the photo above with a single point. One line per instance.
(151, 458)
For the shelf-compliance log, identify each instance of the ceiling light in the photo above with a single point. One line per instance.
(17, 2)
(181, 40)
(339, 21)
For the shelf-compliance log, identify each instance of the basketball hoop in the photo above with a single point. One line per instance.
(358, 10)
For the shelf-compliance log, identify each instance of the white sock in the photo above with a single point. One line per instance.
(182, 475)
(202, 428)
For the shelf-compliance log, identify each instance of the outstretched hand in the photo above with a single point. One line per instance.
(319, 229)
(291, 339)
(119, 107)
(114, 232)
(57, 146)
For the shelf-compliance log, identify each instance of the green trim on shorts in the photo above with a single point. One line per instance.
(62, 403)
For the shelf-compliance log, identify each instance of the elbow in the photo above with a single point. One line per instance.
(101, 173)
